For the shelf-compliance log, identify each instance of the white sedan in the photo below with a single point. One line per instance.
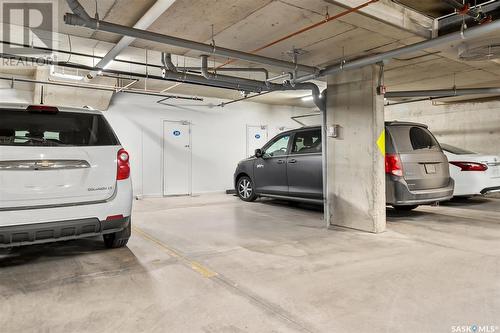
(474, 174)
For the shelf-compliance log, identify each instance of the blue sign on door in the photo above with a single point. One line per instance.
(177, 133)
(257, 136)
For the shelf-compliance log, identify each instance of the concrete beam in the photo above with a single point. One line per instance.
(394, 14)
(143, 23)
(355, 158)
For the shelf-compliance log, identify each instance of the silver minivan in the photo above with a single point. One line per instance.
(417, 170)
(289, 167)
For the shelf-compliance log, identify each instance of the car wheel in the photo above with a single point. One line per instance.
(118, 239)
(405, 208)
(245, 189)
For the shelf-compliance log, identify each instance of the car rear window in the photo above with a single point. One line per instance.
(22, 128)
(413, 138)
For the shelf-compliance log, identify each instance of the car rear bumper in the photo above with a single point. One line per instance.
(120, 204)
(489, 190)
(36, 233)
(398, 194)
(471, 183)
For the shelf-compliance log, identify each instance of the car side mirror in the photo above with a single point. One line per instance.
(258, 153)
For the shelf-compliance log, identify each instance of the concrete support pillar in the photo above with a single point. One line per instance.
(355, 157)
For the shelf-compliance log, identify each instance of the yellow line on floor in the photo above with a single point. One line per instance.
(194, 265)
(202, 269)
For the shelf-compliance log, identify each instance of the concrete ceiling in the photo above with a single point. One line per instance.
(245, 25)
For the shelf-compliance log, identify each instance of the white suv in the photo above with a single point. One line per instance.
(63, 175)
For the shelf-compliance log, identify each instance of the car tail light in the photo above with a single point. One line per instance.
(42, 109)
(470, 166)
(393, 165)
(123, 165)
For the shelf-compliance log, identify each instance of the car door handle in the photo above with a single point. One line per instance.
(281, 161)
(292, 161)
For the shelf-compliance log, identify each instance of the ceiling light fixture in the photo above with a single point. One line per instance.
(64, 75)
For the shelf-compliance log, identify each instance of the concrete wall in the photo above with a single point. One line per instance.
(473, 126)
(218, 137)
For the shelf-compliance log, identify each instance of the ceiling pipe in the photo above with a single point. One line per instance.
(204, 68)
(178, 97)
(258, 85)
(94, 87)
(287, 76)
(223, 104)
(27, 46)
(264, 86)
(415, 100)
(229, 69)
(243, 85)
(155, 11)
(188, 69)
(251, 85)
(168, 75)
(466, 9)
(344, 65)
(318, 98)
(166, 60)
(83, 20)
(80, 19)
(78, 9)
(443, 92)
(192, 79)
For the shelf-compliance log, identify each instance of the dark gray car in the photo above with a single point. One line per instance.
(289, 167)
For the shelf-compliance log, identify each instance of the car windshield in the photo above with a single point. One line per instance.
(21, 128)
(456, 150)
(278, 148)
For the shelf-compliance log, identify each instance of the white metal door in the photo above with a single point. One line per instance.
(256, 138)
(176, 158)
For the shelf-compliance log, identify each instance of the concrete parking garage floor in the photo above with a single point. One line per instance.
(216, 264)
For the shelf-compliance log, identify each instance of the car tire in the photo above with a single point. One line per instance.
(245, 189)
(118, 239)
(405, 208)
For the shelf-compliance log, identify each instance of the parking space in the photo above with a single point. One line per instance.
(213, 263)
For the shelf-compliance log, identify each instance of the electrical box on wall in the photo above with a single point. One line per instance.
(333, 131)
